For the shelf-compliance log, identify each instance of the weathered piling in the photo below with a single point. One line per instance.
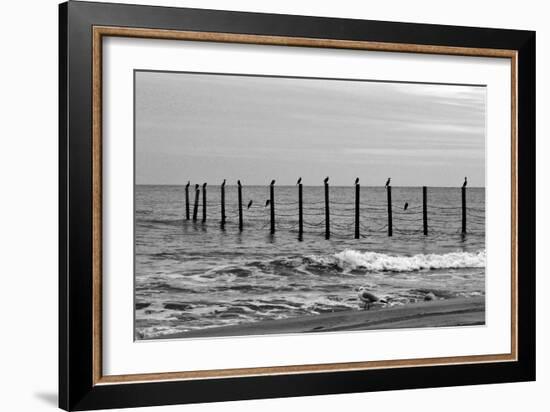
(196, 205)
(222, 197)
(463, 209)
(357, 201)
(327, 211)
(390, 230)
(240, 196)
(187, 200)
(300, 213)
(425, 209)
(347, 210)
(272, 207)
(204, 202)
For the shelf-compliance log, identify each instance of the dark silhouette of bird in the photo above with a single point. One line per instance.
(204, 185)
(249, 204)
(223, 183)
(388, 181)
(406, 206)
(299, 181)
(326, 180)
(272, 182)
(239, 183)
(465, 182)
(196, 186)
(368, 298)
(356, 180)
(187, 185)
(267, 202)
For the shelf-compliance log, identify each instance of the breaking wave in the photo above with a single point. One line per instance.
(380, 262)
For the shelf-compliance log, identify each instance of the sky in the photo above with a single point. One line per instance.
(210, 127)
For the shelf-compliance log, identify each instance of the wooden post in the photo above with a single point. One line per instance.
(300, 213)
(204, 202)
(357, 195)
(327, 213)
(272, 208)
(390, 230)
(240, 195)
(463, 209)
(196, 205)
(425, 209)
(222, 189)
(187, 201)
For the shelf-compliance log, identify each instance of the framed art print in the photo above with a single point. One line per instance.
(259, 205)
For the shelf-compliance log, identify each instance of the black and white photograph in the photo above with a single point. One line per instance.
(277, 205)
(214, 206)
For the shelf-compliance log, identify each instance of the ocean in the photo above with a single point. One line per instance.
(193, 275)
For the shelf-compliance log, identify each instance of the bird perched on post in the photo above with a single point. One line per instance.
(223, 183)
(249, 204)
(239, 183)
(187, 185)
(465, 182)
(326, 180)
(356, 180)
(388, 181)
(267, 202)
(368, 298)
(299, 181)
(272, 182)
(406, 206)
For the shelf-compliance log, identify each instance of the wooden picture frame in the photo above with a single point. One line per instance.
(83, 26)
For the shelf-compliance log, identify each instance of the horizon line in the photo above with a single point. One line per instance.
(293, 185)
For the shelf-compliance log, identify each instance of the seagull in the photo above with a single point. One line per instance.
(299, 181)
(465, 182)
(267, 202)
(239, 183)
(272, 182)
(326, 180)
(406, 206)
(249, 204)
(388, 181)
(223, 183)
(367, 298)
(187, 185)
(356, 180)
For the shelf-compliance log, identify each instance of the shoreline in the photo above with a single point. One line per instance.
(440, 313)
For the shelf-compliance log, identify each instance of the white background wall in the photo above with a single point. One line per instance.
(28, 203)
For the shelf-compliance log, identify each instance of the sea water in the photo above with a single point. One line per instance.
(193, 275)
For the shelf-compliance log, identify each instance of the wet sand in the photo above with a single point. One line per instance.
(450, 312)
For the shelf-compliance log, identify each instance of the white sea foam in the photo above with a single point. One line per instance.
(377, 262)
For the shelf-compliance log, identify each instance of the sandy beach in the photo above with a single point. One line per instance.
(450, 312)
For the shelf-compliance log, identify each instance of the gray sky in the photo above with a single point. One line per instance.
(204, 127)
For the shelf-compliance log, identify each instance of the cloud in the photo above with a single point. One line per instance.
(285, 122)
